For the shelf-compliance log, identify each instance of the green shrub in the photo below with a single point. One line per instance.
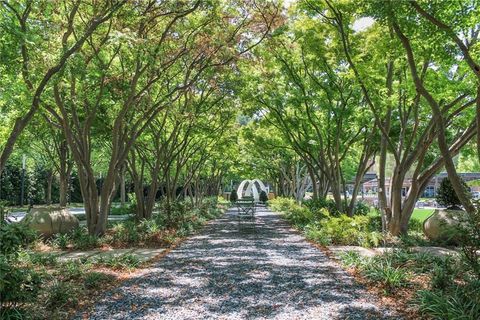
(325, 229)
(233, 196)
(174, 213)
(74, 269)
(413, 239)
(36, 258)
(149, 227)
(426, 262)
(446, 195)
(316, 233)
(81, 240)
(15, 236)
(469, 231)
(126, 232)
(60, 295)
(123, 210)
(183, 217)
(344, 230)
(96, 280)
(210, 202)
(170, 239)
(282, 204)
(18, 285)
(460, 302)
(381, 270)
(442, 277)
(362, 208)
(322, 203)
(61, 240)
(125, 261)
(299, 216)
(263, 197)
(351, 259)
(415, 225)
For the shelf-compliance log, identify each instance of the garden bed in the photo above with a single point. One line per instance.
(412, 275)
(52, 279)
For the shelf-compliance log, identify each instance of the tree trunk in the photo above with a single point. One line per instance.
(314, 182)
(48, 194)
(107, 193)
(337, 196)
(65, 169)
(439, 122)
(122, 188)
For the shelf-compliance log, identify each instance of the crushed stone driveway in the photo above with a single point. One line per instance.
(248, 269)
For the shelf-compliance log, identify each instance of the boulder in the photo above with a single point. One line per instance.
(51, 220)
(443, 225)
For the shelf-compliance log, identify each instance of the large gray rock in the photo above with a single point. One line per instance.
(443, 225)
(51, 220)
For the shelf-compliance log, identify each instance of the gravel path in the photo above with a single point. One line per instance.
(246, 270)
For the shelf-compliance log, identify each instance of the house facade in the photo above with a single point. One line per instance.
(370, 186)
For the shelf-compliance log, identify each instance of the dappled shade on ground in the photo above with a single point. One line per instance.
(242, 270)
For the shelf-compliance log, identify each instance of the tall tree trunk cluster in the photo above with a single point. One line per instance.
(410, 148)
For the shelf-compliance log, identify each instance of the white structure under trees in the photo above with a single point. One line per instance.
(251, 188)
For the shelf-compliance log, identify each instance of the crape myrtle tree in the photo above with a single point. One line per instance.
(134, 68)
(272, 159)
(205, 173)
(320, 113)
(462, 29)
(176, 146)
(187, 157)
(38, 38)
(403, 87)
(50, 147)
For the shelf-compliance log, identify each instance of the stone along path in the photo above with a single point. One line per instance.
(242, 270)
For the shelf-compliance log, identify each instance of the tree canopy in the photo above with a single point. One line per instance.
(183, 99)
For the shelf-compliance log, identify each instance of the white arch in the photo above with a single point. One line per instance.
(262, 186)
(256, 195)
(240, 188)
(251, 189)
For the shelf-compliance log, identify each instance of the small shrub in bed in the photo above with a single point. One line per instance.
(362, 208)
(18, 286)
(317, 204)
(81, 240)
(60, 295)
(282, 204)
(459, 302)
(95, 280)
(126, 261)
(14, 237)
(351, 259)
(125, 232)
(233, 196)
(344, 230)
(123, 210)
(74, 270)
(446, 195)
(383, 272)
(263, 197)
(61, 241)
(31, 259)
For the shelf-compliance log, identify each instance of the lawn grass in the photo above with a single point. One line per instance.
(418, 214)
(421, 214)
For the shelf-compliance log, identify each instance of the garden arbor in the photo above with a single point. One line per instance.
(252, 189)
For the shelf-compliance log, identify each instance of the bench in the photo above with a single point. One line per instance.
(246, 208)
